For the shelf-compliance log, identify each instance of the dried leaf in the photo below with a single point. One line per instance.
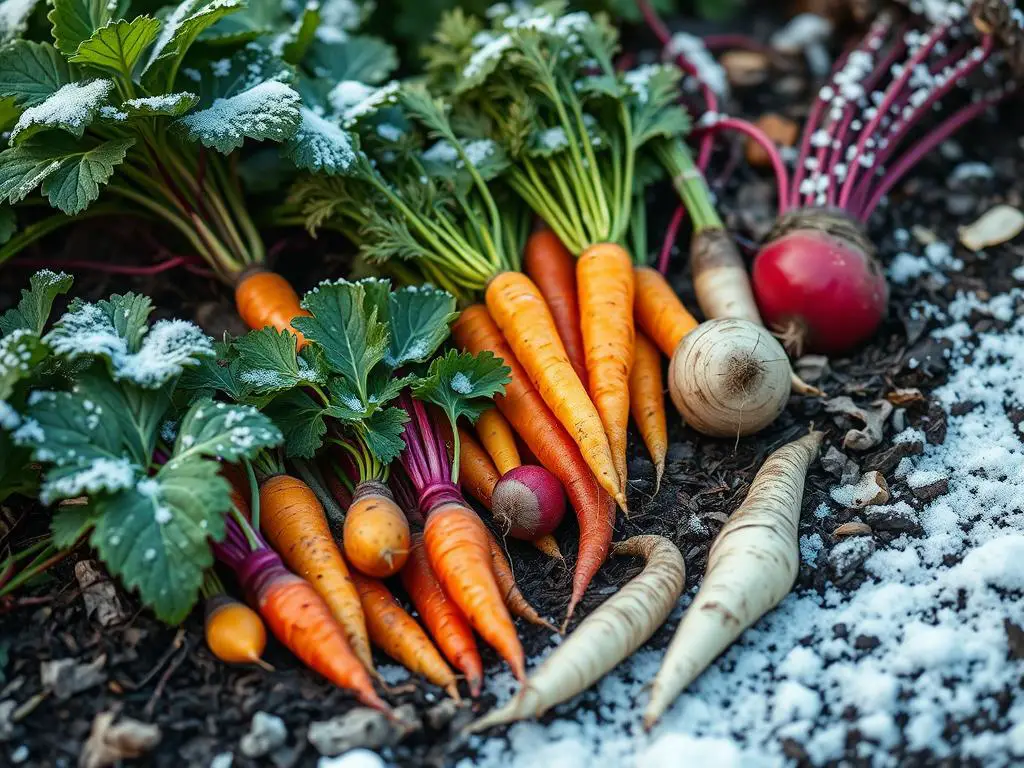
(66, 677)
(871, 489)
(110, 743)
(855, 528)
(745, 68)
(102, 602)
(873, 418)
(998, 225)
(905, 397)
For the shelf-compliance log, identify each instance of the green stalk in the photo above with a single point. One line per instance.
(254, 493)
(691, 185)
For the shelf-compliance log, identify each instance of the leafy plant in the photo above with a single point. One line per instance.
(154, 498)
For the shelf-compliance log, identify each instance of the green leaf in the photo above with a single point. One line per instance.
(220, 373)
(223, 77)
(118, 45)
(74, 21)
(72, 108)
(155, 535)
(76, 183)
(269, 110)
(255, 19)
(462, 384)
(268, 362)
(33, 309)
(180, 30)
(300, 36)
(17, 476)
(8, 223)
(20, 352)
(32, 72)
(14, 19)
(112, 330)
(223, 431)
(301, 420)
(352, 339)
(362, 59)
(383, 433)
(419, 318)
(320, 145)
(169, 105)
(70, 523)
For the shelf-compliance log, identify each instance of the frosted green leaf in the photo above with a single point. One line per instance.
(268, 362)
(181, 28)
(170, 104)
(33, 309)
(361, 58)
(76, 183)
(14, 16)
(301, 420)
(353, 101)
(32, 72)
(320, 145)
(269, 110)
(222, 431)
(72, 108)
(419, 317)
(20, 352)
(462, 384)
(118, 45)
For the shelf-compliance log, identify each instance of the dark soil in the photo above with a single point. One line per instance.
(167, 676)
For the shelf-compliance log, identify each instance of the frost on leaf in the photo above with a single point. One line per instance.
(76, 184)
(71, 109)
(171, 104)
(31, 72)
(33, 309)
(155, 534)
(419, 317)
(268, 362)
(463, 384)
(269, 110)
(181, 28)
(165, 351)
(320, 145)
(20, 352)
(14, 16)
(353, 100)
(103, 474)
(229, 432)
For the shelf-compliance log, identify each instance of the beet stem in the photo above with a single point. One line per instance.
(759, 136)
(890, 95)
(670, 239)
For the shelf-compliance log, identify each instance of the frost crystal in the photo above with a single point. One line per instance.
(71, 108)
(110, 475)
(461, 383)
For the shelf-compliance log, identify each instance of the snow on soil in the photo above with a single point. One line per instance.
(934, 604)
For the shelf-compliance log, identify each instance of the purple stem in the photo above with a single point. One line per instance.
(670, 238)
(759, 136)
(938, 135)
(891, 93)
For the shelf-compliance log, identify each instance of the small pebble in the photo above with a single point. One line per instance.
(19, 755)
(266, 733)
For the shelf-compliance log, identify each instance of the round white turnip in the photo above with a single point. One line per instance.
(528, 502)
(729, 378)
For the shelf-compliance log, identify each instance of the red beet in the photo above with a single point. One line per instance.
(824, 292)
(528, 502)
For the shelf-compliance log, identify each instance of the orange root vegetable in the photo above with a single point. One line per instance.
(547, 439)
(513, 597)
(519, 311)
(234, 632)
(477, 473)
(303, 622)
(265, 298)
(442, 617)
(458, 548)
(376, 533)
(397, 634)
(604, 274)
(647, 402)
(549, 546)
(293, 520)
(659, 312)
(550, 265)
(499, 440)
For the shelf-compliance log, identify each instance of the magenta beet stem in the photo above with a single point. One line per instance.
(257, 570)
(113, 269)
(670, 238)
(946, 129)
(437, 494)
(755, 133)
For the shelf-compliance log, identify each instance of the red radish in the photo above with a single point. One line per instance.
(819, 289)
(528, 502)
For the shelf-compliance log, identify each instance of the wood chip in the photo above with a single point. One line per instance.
(109, 743)
(781, 130)
(904, 397)
(745, 68)
(855, 528)
(996, 226)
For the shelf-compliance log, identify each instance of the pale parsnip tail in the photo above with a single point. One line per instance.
(606, 637)
(751, 566)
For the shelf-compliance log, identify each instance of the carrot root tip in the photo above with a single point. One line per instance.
(265, 666)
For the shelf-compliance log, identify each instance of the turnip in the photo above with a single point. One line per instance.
(528, 502)
(751, 566)
(607, 636)
(816, 278)
(729, 378)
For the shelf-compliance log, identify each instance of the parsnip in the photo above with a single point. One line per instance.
(610, 634)
(751, 566)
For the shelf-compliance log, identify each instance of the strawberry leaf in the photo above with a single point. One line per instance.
(419, 317)
(320, 145)
(268, 110)
(118, 45)
(169, 105)
(181, 28)
(72, 108)
(32, 72)
(36, 302)
(155, 534)
(76, 184)
(462, 384)
(75, 21)
(70, 523)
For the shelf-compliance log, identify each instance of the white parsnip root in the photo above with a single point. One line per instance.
(751, 566)
(607, 636)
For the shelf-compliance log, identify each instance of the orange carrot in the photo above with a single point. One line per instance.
(550, 265)
(647, 401)
(458, 548)
(604, 273)
(397, 634)
(549, 546)
(293, 520)
(514, 599)
(659, 312)
(498, 439)
(302, 621)
(518, 309)
(522, 405)
(477, 473)
(265, 298)
(234, 631)
(444, 621)
(376, 534)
